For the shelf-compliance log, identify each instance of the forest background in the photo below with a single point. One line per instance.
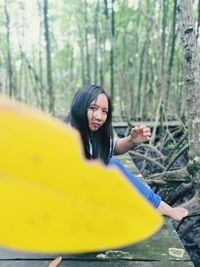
(132, 48)
(145, 54)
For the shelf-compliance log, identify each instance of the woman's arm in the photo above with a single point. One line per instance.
(138, 135)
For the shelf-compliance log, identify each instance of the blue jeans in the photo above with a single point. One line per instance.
(153, 198)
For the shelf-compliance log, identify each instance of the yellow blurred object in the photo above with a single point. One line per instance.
(53, 200)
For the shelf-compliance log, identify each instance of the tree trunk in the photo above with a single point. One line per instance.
(139, 94)
(11, 90)
(48, 53)
(88, 77)
(1, 84)
(101, 67)
(40, 59)
(96, 20)
(134, 69)
(112, 52)
(160, 83)
(82, 54)
(198, 22)
(192, 86)
(105, 29)
(106, 8)
(35, 79)
(164, 25)
(173, 43)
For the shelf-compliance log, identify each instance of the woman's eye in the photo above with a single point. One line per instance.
(92, 108)
(105, 111)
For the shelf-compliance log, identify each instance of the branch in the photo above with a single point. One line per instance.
(136, 154)
(178, 173)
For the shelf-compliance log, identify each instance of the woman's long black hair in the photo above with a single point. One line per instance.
(100, 139)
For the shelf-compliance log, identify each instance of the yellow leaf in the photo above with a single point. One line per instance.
(53, 200)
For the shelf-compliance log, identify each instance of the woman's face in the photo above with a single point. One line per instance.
(97, 112)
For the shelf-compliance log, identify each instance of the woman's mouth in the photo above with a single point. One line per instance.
(96, 125)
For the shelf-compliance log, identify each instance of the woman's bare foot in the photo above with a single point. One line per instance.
(176, 213)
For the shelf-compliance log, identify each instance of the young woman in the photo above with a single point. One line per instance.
(91, 115)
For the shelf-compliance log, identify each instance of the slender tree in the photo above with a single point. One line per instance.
(112, 51)
(164, 25)
(173, 43)
(198, 22)
(1, 84)
(96, 20)
(48, 53)
(9, 55)
(87, 53)
(106, 8)
(192, 87)
(40, 58)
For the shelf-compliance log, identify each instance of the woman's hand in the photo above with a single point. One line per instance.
(140, 134)
(55, 262)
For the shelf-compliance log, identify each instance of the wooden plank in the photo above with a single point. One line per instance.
(124, 124)
(128, 164)
(65, 263)
(164, 245)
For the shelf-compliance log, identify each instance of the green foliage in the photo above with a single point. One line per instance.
(142, 47)
(193, 168)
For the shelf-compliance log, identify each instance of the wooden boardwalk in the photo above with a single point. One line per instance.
(164, 249)
(151, 124)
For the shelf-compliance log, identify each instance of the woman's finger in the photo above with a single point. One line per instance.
(55, 262)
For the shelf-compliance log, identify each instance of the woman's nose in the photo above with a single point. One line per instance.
(98, 115)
